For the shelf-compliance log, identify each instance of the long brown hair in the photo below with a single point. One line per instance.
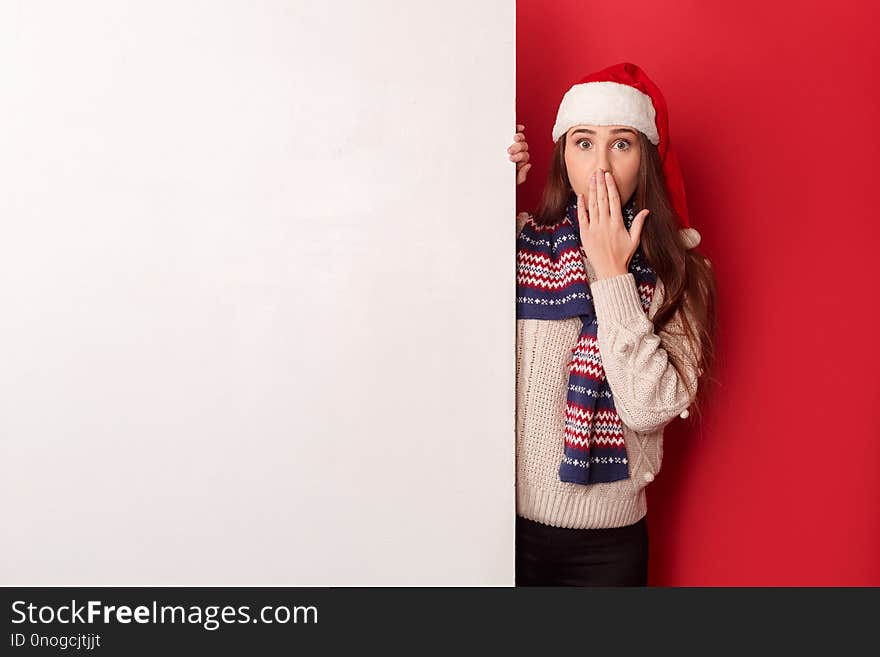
(686, 273)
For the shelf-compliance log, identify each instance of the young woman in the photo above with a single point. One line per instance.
(615, 326)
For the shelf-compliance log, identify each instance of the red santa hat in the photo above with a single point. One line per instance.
(623, 94)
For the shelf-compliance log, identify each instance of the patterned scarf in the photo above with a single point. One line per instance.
(552, 283)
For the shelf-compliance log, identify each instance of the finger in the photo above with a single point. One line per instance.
(613, 198)
(635, 232)
(517, 147)
(583, 219)
(520, 157)
(522, 173)
(602, 195)
(520, 127)
(593, 205)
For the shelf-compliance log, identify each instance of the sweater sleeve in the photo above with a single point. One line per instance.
(648, 391)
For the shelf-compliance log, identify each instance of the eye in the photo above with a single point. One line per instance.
(625, 142)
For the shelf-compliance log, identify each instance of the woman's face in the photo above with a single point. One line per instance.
(614, 148)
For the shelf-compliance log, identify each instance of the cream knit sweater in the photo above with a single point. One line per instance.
(648, 393)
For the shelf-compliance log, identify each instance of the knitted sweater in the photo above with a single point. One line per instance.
(648, 393)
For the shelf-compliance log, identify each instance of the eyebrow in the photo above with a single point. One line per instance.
(614, 132)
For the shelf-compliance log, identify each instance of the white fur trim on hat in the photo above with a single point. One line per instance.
(606, 103)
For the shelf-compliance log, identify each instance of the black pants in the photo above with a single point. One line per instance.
(557, 556)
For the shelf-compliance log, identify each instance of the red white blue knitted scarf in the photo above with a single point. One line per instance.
(552, 283)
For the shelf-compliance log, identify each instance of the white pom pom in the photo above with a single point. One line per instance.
(690, 237)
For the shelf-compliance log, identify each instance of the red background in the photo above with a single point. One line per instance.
(774, 118)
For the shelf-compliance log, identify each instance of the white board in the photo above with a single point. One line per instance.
(257, 285)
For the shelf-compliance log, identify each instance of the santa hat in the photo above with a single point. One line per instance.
(624, 95)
